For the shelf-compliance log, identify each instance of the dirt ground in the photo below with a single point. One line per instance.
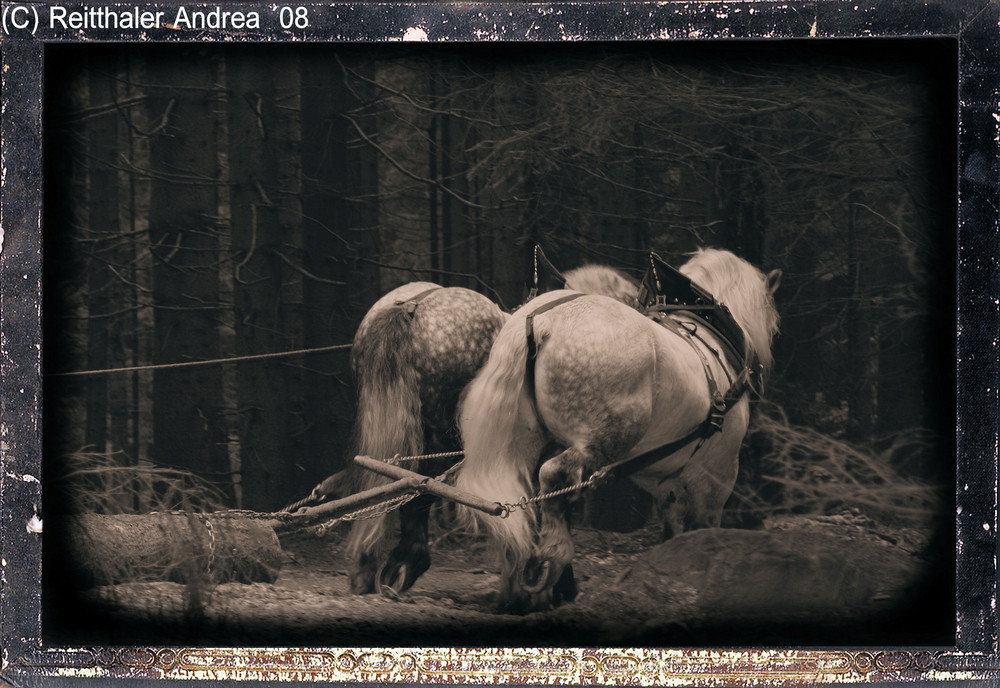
(839, 580)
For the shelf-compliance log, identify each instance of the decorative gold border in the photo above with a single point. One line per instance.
(552, 666)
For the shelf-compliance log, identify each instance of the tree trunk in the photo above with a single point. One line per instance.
(861, 334)
(259, 274)
(333, 199)
(189, 432)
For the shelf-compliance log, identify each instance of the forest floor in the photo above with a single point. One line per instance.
(799, 580)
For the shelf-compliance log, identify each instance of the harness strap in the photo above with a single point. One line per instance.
(529, 331)
(718, 411)
(721, 404)
(410, 304)
(709, 316)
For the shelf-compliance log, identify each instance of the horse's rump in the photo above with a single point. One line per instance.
(607, 384)
(413, 353)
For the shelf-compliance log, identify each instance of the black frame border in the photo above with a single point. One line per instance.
(975, 27)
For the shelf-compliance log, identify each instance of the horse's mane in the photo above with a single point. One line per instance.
(743, 289)
(600, 279)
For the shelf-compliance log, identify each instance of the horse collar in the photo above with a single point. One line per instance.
(665, 289)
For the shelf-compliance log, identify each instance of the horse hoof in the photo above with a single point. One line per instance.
(389, 592)
(393, 580)
(533, 582)
(362, 585)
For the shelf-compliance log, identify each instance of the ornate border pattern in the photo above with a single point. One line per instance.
(556, 666)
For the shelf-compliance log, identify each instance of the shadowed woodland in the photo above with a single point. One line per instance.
(215, 202)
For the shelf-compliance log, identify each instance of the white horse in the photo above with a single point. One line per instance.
(607, 383)
(415, 350)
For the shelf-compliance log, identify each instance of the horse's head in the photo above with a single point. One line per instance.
(600, 279)
(746, 291)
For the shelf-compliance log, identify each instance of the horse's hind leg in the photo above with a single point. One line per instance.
(362, 574)
(546, 579)
(695, 498)
(410, 558)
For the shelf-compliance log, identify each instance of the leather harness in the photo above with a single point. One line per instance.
(678, 304)
(410, 305)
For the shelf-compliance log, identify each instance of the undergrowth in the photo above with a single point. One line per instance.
(101, 483)
(792, 469)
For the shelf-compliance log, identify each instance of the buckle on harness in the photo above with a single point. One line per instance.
(717, 416)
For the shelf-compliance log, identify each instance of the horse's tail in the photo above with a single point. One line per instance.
(501, 436)
(389, 420)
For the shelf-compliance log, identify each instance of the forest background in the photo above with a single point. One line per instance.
(207, 202)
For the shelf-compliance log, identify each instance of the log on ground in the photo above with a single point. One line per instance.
(182, 548)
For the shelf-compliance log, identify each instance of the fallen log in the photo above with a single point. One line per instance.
(177, 547)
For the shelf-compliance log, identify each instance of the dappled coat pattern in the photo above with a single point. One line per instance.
(413, 353)
(607, 383)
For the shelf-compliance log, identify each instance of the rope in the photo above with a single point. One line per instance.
(191, 364)
(294, 506)
(397, 459)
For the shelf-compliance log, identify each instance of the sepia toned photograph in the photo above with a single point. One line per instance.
(575, 343)
(668, 329)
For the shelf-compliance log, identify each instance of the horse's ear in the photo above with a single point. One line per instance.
(773, 281)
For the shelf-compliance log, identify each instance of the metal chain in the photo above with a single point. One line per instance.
(368, 512)
(382, 508)
(397, 459)
(211, 548)
(525, 501)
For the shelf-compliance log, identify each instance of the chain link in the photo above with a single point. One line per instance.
(211, 548)
(388, 506)
(368, 512)
(525, 501)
